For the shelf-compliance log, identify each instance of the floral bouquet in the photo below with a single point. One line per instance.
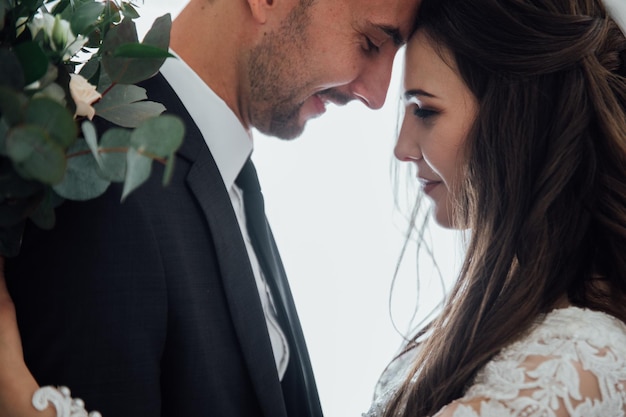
(62, 63)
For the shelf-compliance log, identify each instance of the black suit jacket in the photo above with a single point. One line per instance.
(149, 307)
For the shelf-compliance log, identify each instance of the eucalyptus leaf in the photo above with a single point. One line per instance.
(11, 73)
(159, 136)
(33, 60)
(35, 154)
(114, 145)
(91, 139)
(85, 16)
(138, 169)
(132, 114)
(129, 11)
(138, 50)
(123, 106)
(121, 94)
(134, 70)
(159, 33)
(54, 118)
(81, 181)
(91, 70)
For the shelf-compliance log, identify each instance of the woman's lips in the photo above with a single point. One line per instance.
(428, 185)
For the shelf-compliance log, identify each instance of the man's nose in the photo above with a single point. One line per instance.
(373, 82)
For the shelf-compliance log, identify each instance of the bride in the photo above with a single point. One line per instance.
(516, 124)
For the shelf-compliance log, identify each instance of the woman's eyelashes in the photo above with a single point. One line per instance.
(424, 113)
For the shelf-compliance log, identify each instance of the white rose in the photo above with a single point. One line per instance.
(45, 22)
(84, 95)
(58, 33)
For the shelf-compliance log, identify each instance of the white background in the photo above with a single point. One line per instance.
(329, 199)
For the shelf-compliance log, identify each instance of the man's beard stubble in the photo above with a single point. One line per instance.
(276, 73)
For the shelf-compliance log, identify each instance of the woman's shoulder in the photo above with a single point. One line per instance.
(572, 362)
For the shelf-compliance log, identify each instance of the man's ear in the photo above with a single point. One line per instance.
(260, 9)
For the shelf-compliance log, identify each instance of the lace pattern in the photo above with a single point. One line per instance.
(62, 401)
(571, 364)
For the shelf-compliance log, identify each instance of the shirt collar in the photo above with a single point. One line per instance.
(230, 143)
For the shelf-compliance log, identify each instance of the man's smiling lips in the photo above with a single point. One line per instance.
(320, 104)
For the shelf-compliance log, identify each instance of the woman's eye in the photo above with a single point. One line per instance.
(424, 113)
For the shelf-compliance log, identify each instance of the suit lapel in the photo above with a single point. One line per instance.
(205, 182)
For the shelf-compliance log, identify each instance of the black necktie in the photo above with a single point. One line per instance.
(298, 384)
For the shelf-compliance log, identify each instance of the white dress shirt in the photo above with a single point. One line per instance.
(231, 145)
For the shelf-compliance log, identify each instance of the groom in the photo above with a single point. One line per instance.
(174, 303)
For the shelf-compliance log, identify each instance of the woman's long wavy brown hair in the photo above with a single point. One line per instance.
(544, 190)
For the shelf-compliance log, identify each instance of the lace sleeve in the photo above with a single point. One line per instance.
(580, 381)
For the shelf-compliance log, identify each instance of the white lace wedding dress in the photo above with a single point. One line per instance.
(572, 363)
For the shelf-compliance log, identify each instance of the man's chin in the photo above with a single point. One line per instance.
(284, 131)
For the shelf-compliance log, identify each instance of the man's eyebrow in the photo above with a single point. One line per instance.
(393, 33)
(409, 94)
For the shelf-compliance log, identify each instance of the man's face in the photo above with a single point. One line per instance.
(325, 51)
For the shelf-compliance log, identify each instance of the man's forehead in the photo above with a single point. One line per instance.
(393, 17)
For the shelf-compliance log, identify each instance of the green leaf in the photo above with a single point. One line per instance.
(129, 11)
(81, 181)
(33, 60)
(91, 139)
(114, 145)
(35, 155)
(43, 216)
(159, 33)
(160, 136)
(10, 106)
(121, 94)
(138, 50)
(85, 17)
(104, 81)
(54, 118)
(138, 169)
(134, 70)
(123, 106)
(91, 70)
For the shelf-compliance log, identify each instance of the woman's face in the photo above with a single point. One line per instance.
(440, 111)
